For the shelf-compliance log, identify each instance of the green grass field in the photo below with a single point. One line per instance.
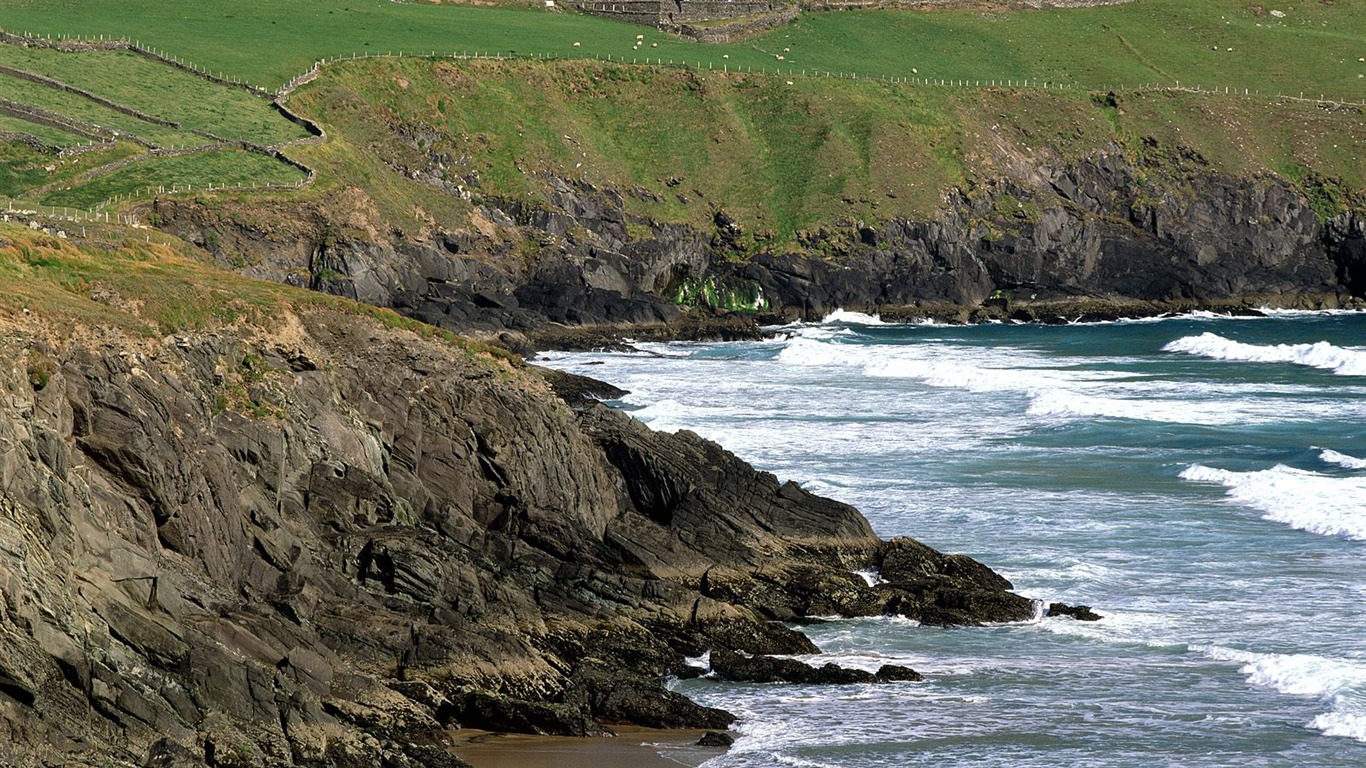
(155, 89)
(1314, 49)
(23, 168)
(789, 155)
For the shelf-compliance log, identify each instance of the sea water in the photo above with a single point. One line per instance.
(1200, 481)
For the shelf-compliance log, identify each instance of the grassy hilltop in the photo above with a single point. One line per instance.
(784, 148)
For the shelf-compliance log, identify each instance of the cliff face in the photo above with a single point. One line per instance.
(1103, 228)
(1113, 227)
(327, 543)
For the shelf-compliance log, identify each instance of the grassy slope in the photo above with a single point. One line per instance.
(782, 158)
(1314, 49)
(148, 286)
(225, 167)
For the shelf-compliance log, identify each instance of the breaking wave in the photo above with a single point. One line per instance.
(1341, 459)
(1307, 501)
(1339, 683)
(1340, 360)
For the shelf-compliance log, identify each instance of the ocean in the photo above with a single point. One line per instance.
(1200, 481)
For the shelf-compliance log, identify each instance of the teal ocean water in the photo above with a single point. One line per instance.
(1200, 481)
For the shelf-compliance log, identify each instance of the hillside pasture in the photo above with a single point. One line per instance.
(1236, 44)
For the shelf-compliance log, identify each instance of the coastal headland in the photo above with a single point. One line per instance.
(278, 487)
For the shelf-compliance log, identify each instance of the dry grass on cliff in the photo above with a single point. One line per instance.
(148, 284)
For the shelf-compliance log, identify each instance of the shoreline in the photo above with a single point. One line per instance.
(750, 327)
(632, 747)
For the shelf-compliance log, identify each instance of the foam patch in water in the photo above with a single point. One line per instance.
(1340, 360)
(1307, 501)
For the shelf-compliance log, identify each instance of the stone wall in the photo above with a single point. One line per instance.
(675, 12)
(633, 11)
(736, 29)
(681, 11)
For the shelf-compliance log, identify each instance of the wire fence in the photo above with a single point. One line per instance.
(726, 67)
(697, 64)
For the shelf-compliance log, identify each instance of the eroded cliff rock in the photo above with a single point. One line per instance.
(330, 542)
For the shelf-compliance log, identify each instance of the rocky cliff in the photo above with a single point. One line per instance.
(327, 542)
(1117, 231)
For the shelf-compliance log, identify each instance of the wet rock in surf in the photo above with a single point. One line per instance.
(1078, 612)
(715, 739)
(739, 668)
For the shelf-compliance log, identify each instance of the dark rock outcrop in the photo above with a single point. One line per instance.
(327, 543)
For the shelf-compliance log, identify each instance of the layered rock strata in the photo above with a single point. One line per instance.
(330, 542)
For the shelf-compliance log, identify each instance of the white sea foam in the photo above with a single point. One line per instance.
(1343, 361)
(1341, 459)
(871, 576)
(1273, 312)
(1307, 501)
(800, 762)
(1070, 570)
(851, 318)
(1339, 683)
(1062, 403)
(701, 662)
(1053, 390)
(1342, 724)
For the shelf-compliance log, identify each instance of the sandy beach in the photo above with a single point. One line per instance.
(630, 748)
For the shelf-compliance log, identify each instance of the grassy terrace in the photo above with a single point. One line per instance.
(83, 109)
(145, 86)
(46, 134)
(152, 87)
(223, 167)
